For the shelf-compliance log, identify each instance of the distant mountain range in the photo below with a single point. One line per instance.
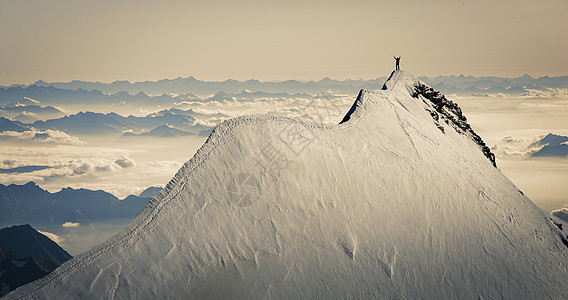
(169, 91)
(20, 103)
(217, 117)
(9, 125)
(203, 88)
(481, 86)
(23, 103)
(29, 113)
(247, 95)
(26, 255)
(17, 98)
(553, 145)
(98, 123)
(58, 96)
(160, 131)
(162, 123)
(30, 204)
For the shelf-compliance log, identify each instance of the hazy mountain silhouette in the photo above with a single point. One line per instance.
(192, 85)
(85, 123)
(553, 146)
(31, 204)
(463, 85)
(9, 125)
(89, 123)
(214, 117)
(160, 131)
(150, 192)
(222, 96)
(58, 96)
(29, 113)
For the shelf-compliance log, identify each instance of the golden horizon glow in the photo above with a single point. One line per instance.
(107, 40)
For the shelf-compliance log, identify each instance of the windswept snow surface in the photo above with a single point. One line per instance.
(384, 205)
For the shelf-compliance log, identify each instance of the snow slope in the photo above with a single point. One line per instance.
(385, 205)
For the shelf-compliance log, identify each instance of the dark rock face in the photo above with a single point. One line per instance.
(26, 255)
(20, 271)
(26, 241)
(451, 113)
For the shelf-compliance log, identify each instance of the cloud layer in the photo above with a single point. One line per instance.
(41, 137)
(516, 148)
(54, 237)
(70, 225)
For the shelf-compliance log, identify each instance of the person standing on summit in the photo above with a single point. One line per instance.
(397, 59)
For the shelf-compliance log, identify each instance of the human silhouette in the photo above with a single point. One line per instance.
(397, 62)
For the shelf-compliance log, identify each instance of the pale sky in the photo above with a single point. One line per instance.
(104, 40)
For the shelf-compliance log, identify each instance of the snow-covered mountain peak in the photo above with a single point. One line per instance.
(399, 85)
(396, 91)
(400, 81)
(397, 201)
